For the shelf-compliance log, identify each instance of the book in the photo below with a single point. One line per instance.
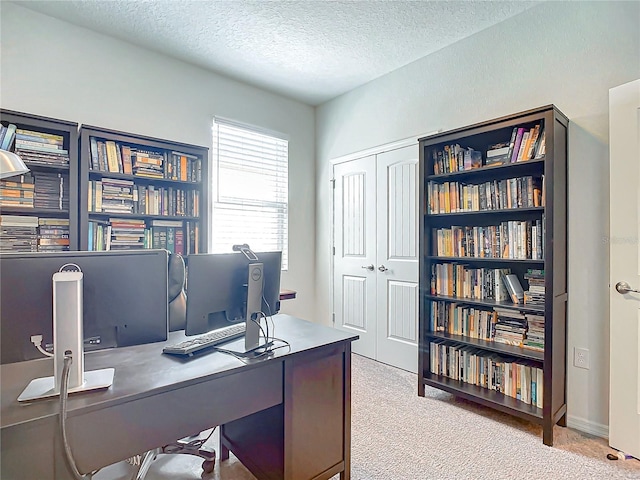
(8, 137)
(516, 145)
(516, 292)
(497, 154)
(512, 143)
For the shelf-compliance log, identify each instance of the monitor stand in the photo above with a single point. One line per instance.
(251, 341)
(67, 340)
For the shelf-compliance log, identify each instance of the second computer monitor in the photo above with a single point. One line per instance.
(217, 289)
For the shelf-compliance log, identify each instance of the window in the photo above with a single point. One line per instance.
(250, 185)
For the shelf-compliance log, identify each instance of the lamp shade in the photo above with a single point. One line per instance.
(11, 164)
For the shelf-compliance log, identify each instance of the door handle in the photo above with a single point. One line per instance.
(382, 268)
(624, 287)
(368, 267)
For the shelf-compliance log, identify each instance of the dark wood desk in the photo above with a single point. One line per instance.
(287, 294)
(284, 417)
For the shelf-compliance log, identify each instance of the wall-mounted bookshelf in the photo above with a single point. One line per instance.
(38, 209)
(141, 192)
(494, 211)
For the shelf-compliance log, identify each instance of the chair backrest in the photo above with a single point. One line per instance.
(176, 295)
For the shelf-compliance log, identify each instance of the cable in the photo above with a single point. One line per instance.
(37, 341)
(64, 386)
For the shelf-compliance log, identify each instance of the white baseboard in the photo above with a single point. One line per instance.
(587, 426)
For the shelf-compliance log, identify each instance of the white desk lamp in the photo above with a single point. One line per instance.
(11, 164)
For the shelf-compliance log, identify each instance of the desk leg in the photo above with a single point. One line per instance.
(346, 473)
(223, 450)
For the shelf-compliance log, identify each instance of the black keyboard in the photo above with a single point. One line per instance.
(206, 340)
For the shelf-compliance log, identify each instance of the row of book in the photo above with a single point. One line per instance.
(37, 189)
(131, 234)
(526, 143)
(461, 281)
(518, 379)
(115, 157)
(112, 195)
(513, 239)
(501, 325)
(454, 158)
(453, 197)
(22, 233)
(38, 148)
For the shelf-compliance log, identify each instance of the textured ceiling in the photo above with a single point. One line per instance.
(310, 50)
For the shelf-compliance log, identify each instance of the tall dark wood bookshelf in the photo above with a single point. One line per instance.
(181, 190)
(69, 133)
(483, 206)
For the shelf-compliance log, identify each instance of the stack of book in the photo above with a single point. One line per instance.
(127, 233)
(53, 234)
(17, 191)
(51, 190)
(511, 326)
(535, 332)
(18, 233)
(114, 195)
(535, 295)
(41, 148)
(148, 163)
(498, 154)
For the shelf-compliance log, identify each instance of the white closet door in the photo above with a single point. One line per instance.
(397, 258)
(355, 252)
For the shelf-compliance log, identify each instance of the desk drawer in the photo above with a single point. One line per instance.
(113, 434)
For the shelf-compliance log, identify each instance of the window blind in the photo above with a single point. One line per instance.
(250, 182)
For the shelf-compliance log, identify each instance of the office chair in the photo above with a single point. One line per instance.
(192, 445)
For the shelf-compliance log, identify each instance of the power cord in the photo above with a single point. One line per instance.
(64, 391)
(37, 341)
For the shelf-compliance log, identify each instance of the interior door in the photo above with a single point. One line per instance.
(354, 277)
(397, 258)
(624, 315)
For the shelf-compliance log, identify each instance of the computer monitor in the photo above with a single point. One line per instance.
(217, 285)
(124, 299)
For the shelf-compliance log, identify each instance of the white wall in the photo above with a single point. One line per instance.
(55, 69)
(565, 53)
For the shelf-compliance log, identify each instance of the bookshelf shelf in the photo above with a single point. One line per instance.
(141, 179)
(40, 166)
(165, 206)
(473, 216)
(143, 216)
(49, 212)
(511, 169)
(490, 346)
(484, 259)
(49, 147)
(504, 211)
(488, 303)
(488, 398)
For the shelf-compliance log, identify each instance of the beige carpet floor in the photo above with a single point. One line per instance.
(398, 435)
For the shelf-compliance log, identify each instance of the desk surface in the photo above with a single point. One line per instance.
(143, 371)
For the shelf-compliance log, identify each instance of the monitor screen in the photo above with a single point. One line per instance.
(217, 288)
(124, 299)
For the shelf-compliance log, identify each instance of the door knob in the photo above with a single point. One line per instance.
(382, 268)
(624, 287)
(369, 267)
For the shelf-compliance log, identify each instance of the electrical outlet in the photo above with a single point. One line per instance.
(581, 358)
